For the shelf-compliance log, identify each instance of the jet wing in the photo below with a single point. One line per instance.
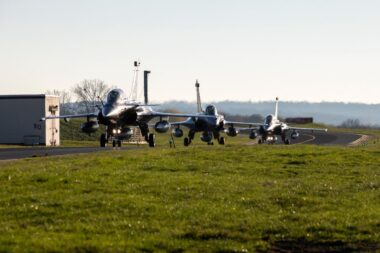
(180, 115)
(88, 115)
(180, 123)
(235, 123)
(308, 129)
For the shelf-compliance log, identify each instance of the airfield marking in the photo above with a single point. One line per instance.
(363, 138)
(312, 139)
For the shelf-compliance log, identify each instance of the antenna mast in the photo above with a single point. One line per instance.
(276, 109)
(199, 103)
(135, 82)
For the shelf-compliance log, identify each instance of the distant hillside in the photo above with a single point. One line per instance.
(324, 112)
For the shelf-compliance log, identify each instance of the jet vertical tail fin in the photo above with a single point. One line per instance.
(199, 103)
(276, 110)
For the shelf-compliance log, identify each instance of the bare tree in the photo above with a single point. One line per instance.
(64, 100)
(88, 92)
(351, 123)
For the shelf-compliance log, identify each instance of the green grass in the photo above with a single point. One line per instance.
(72, 131)
(199, 199)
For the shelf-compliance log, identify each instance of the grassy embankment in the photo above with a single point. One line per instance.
(202, 198)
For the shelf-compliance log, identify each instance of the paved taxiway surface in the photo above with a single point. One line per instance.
(17, 153)
(329, 138)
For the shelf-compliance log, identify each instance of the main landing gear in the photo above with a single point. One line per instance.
(152, 140)
(272, 140)
(187, 140)
(285, 140)
(103, 141)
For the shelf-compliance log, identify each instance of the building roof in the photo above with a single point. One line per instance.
(26, 96)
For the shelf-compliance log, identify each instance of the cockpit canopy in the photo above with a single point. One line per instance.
(269, 119)
(211, 110)
(114, 96)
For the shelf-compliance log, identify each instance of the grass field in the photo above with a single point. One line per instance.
(203, 198)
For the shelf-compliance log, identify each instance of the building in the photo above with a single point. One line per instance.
(20, 120)
(299, 120)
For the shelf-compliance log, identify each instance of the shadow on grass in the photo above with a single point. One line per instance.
(303, 245)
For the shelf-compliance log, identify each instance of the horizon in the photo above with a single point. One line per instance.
(218, 101)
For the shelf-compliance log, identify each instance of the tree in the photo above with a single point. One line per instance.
(88, 92)
(351, 123)
(64, 100)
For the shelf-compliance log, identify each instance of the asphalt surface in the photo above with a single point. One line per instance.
(329, 138)
(18, 153)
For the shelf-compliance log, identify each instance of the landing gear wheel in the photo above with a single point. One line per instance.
(260, 141)
(114, 143)
(210, 143)
(119, 143)
(152, 140)
(287, 141)
(103, 141)
(221, 140)
(186, 141)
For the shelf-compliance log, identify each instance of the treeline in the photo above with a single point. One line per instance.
(355, 124)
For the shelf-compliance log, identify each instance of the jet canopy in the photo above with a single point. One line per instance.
(114, 96)
(268, 119)
(211, 110)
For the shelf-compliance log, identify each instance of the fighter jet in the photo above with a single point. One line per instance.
(210, 127)
(119, 114)
(273, 127)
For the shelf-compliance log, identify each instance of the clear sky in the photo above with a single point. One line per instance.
(321, 50)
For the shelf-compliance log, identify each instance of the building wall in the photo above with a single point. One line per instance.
(20, 119)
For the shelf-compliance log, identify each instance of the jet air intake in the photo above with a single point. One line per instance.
(231, 131)
(90, 127)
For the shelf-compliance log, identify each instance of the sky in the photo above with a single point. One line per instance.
(245, 50)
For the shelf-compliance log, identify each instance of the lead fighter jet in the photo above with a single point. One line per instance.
(273, 127)
(208, 122)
